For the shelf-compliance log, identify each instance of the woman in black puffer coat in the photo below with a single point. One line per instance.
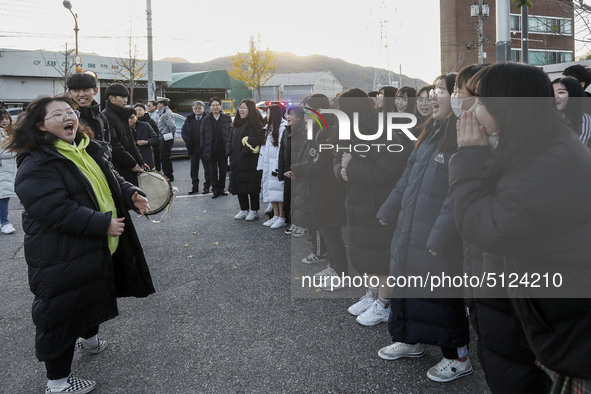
(368, 177)
(80, 246)
(526, 199)
(427, 242)
(243, 148)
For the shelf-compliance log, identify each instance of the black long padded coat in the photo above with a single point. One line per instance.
(509, 364)
(244, 177)
(72, 274)
(538, 216)
(420, 208)
(372, 176)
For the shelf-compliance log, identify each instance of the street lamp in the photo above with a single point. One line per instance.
(68, 6)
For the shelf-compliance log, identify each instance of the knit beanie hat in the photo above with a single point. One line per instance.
(117, 90)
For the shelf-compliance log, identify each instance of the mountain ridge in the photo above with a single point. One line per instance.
(348, 74)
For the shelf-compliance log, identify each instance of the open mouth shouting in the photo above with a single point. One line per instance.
(61, 121)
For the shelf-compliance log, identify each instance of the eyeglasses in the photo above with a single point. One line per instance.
(62, 117)
(436, 92)
(424, 100)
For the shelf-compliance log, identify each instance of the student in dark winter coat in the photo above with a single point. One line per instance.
(326, 195)
(511, 150)
(190, 134)
(301, 216)
(426, 241)
(490, 312)
(80, 245)
(243, 147)
(368, 177)
(145, 138)
(213, 138)
(144, 116)
(127, 159)
(295, 123)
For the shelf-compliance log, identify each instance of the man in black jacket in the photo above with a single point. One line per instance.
(190, 134)
(213, 137)
(144, 116)
(127, 159)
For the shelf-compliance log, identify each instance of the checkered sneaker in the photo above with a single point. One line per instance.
(82, 347)
(75, 385)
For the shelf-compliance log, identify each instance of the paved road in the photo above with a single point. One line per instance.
(228, 316)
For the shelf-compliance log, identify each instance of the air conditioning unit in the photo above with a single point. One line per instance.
(474, 10)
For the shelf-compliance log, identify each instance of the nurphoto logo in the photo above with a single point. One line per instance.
(345, 130)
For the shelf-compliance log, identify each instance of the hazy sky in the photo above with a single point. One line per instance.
(203, 30)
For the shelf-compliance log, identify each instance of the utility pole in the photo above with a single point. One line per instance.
(482, 11)
(151, 86)
(503, 43)
(524, 35)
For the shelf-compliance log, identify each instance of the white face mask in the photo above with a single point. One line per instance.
(456, 104)
(493, 140)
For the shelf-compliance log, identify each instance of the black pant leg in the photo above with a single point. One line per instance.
(255, 203)
(207, 183)
(157, 161)
(61, 366)
(166, 150)
(212, 166)
(195, 158)
(222, 164)
(243, 201)
(337, 255)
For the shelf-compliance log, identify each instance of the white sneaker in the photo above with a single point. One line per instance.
(312, 258)
(241, 215)
(269, 222)
(328, 271)
(8, 228)
(280, 222)
(399, 350)
(375, 314)
(362, 305)
(290, 229)
(252, 215)
(447, 370)
(269, 208)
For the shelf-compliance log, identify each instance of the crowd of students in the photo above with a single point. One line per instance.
(497, 181)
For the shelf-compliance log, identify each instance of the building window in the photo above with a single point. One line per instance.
(541, 58)
(544, 25)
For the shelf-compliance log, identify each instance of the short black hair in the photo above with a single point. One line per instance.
(81, 81)
(141, 105)
(215, 99)
(578, 72)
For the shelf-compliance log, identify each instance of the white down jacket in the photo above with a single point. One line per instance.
(271, 187)
(7, 169)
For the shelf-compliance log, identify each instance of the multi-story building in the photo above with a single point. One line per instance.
(550, 25)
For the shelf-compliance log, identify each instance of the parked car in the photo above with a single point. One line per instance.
(14, 112)
(178, 147)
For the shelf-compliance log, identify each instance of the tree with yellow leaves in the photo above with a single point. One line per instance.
(255, 68)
